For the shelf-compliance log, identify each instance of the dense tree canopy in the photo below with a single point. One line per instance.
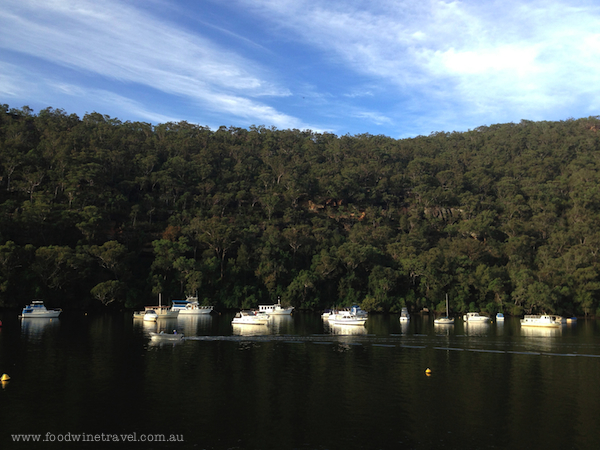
(96, 212)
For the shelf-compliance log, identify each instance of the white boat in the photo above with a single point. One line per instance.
(250, 318)
(190, 307)
(162, 336)
(444, 321)
(499, 317)
(347, 319)
(447, 320)
(276, 310)
(358, 312)
(161, 312)
(543, 320)
(326, 314)
(475, 317)
(37, 309)
(150, 315)
(404, 315)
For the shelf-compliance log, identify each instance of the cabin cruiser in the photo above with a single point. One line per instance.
(474, 317)
(327, 313)
(346, 319)
(37, 310)
(190, 307)
(499, 317)
(358, 312)
(276, 310)
(543, 320)
(404, 315)
(250, 318)
(150, 315)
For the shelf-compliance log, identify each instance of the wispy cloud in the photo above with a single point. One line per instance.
(118, 41)
(503, 57)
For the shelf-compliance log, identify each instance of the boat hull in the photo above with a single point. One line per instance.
(347, 320)
(250, 322)
(444, 321)
(47, 315)
(195, 312)
(540, 322)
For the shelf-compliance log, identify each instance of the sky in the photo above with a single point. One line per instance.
(399, 68)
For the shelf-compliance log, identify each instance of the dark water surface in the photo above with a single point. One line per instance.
(298, 384)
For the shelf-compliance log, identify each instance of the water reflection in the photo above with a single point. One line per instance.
(541, 332)
(163, 343)
(477, 329)
(34, 329)
(347, 330)
(443, 329)
(250, 330)
(281, 324)
(499, 327)
(404, 327)
(194, 325)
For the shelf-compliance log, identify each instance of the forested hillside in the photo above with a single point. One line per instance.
(97, 211)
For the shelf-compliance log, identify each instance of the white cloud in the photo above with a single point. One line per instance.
(505, 57)
(117, 41)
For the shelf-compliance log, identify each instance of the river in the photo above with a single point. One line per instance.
(99, 382)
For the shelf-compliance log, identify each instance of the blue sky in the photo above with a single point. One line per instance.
(400, 68)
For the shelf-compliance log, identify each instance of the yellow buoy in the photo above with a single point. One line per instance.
(5, 377)
(428, 371)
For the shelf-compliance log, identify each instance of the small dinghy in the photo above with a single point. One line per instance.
(162, 336)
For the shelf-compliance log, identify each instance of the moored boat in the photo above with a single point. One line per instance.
(446, 320)
(327, 313)
(190, 307)
(404, 315)
(250, 318)
(543, 320)
(499, 317)
(37, 309)
(150, 315)
(347, 319)
(160, 312)
(475, 317)
(277, 309)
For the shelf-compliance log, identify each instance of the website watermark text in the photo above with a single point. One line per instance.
(97, 437)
